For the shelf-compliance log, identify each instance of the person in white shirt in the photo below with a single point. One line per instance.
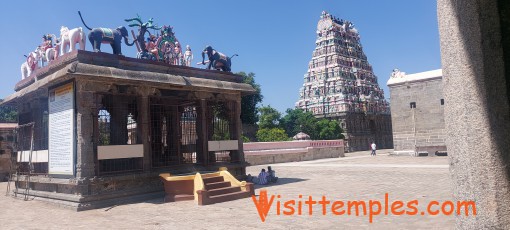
(374, 147)
(261, 179)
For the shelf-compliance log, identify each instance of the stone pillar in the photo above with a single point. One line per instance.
(118, 122)
(477, 114)
(239, 131)
(144, 113)
(85, 111)
(173, 137)
(202, 134)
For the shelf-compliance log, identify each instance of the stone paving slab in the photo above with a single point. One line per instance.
(336, 183)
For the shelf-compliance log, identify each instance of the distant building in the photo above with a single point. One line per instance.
(340, 84)
(417, 112)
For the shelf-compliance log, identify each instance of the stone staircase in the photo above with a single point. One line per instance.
(218, 190)
(209, 188)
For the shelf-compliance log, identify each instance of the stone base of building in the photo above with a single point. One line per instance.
(106, 191)
(361, 129)
(402, 153)
(5, 165)
(77, 203)
(420, 153)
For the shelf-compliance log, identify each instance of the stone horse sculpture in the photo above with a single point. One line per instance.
(107, 35)
(31, 64)
(216, 59)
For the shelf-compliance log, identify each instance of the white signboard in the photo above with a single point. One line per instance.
(61, 130)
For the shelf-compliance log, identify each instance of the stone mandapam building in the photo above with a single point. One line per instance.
(417, 112)
(98, 129)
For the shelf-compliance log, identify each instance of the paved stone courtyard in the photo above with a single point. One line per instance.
(358, 176)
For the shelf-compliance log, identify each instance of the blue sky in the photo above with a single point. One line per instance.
(274, 39)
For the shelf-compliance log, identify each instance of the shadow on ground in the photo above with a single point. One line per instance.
(281, 181)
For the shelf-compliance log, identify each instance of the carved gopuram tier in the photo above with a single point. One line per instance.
(340, 84)
(100, 128)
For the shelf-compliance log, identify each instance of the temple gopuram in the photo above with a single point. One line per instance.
(340, 84)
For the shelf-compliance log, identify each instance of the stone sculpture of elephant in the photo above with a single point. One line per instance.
(107, 35)
(217, 60)
(69, 38)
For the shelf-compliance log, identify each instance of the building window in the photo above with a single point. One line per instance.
(442, 101)
(117, 120)
(412, 105)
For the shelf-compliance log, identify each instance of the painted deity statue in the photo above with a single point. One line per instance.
(168, 53)
(152, 47)
(49, 50)
(47, 43)
(178, 54)
(188, 56)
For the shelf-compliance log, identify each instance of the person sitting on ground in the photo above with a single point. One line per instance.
(271, 175)
(262, 179)
(249, 178)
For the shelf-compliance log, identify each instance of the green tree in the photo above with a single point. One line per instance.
(245, 139)
(8, 113)
(272, 134)
(297, 120)
(269, 117)
(249, 103)
(328, 130)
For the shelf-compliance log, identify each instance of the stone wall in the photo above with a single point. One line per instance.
(6, 138)
(291, 151)
(427, 118)
(4, 166)
(361, 129)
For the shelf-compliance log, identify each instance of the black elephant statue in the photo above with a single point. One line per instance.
(107, 35)
(217, 60)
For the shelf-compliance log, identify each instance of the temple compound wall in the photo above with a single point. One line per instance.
(97, 129)
(417, 112)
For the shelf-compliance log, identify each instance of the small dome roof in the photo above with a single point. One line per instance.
(301, 137)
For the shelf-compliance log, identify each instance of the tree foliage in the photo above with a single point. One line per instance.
(249, 103)
(269, 117)
(272, 134)
(328, 130)
(297, 120)
(8, 113)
